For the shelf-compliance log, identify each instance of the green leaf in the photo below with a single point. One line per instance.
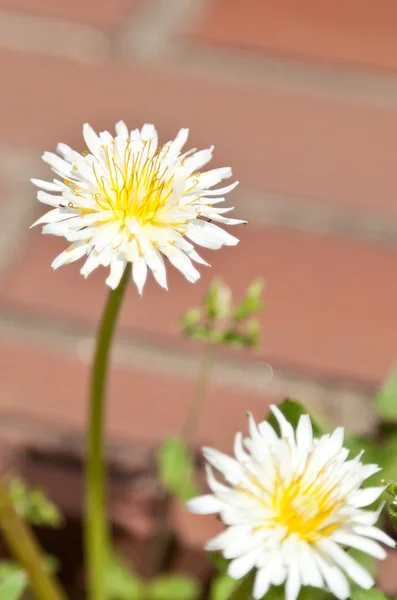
(120, 582)
(292, 411)
(13, 586)
(176, 469)
(174, 587)
(368, 595)
(218, 300)
(252, 302)
(386, 398)
(244, 589)
(221, 564)
(222, 587)
(33, 505)
(191, 317)
(386, 458)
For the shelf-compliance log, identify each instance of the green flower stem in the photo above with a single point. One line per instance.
(200, 393)
(96, 526)
(24, 547)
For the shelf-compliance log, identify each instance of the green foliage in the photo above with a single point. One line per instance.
(33, 505)
(173, 587)
(373, 594)
(13, 582)
(122, 584)
(222, 586)
(176, 469)
(386, 398)
(292, 411)
(219, 322)
(252, 302)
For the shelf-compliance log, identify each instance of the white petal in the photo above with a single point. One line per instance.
(262, 583)
(117, 268)
(205, 505)
(239, 567)
(355, 541)
(209, 235)
(198, 160)
(334, 578)
(293, 584)
(351, 567)
(46, 185)
(90, 264)
(286, 429)
(49, 199)
(180, 140)
(228, 466)
(365, 497)
(58, 164)
(54, 216)
(210, 178)
(139, 274)
(375, 534)
(220, 191)
(182, 262)
(74, 252)
(122, 130)
(92, 140)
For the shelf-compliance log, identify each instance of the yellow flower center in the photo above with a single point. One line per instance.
(136, 186)
(304, 509)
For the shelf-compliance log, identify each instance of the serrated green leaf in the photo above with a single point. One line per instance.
(386, 398)
(373, 594)
(173, 587)
(293, 410)
(222, 586)
(176, 469)
(120, 582)
(13, 586)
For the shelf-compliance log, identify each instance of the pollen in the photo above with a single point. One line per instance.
(305, 509)
(137, 186)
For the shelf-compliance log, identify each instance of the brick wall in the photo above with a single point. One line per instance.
(303, 105)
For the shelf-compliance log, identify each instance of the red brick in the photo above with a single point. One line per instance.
(99, 13)
(142, 406)
(331, 302)
(276, 140)
(356, 32)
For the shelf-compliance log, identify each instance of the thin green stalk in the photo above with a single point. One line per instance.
(96, 525)
(200, 393)
(24, 547)
(164, 537)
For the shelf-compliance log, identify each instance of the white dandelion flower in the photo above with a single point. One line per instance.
(129, 201)
(292, 506)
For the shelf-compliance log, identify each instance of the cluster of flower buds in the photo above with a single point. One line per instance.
(221, 322)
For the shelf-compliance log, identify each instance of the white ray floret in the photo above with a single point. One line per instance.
(292, 506)
(127, 200)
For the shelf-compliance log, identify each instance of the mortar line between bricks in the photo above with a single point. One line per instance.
(55, 37)
(330, 396)
(158, 35)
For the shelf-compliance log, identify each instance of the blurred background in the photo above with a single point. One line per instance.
(300, 98)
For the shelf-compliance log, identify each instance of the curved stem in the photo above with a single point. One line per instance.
(200, 392)
(24, 547)
(96, 526)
